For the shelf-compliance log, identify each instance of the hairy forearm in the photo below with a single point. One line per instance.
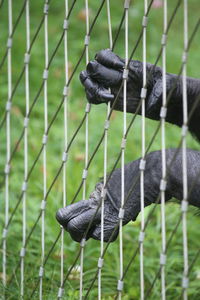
(152, 178)
(174, 86)
(175, 101)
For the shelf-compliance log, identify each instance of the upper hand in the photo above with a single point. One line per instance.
(83, 219)
(103, 77)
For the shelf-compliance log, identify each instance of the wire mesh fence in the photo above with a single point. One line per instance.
(55, 146)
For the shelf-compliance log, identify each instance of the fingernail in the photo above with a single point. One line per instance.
(92, 67)
(83, 76)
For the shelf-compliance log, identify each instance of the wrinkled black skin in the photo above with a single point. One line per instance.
(106, 72)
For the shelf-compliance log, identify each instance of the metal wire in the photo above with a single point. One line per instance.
(45, 261)
(142, 169)
(43, 203)
(27, 92)
(184, 155)
(82, 243)
(8, 146)
(64, 203)
(163, 147)
(125, 77)
(190, 269)
(100, 261)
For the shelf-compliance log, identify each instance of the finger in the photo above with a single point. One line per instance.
(95, 93)
(91, 97)
(78, 226)
(154, 101)
(65, 214)
(109, 59)
(103, 75)
(110, 232)
(99, 97)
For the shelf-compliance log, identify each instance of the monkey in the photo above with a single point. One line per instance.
(102, 79)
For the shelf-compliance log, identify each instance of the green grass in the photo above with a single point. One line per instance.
(75, 164)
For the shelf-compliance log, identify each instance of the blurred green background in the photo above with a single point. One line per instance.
(75, 163)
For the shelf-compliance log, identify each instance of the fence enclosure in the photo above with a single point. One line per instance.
(55, 146)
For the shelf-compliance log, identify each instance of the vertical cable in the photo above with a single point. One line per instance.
(123, 145)
(163, 153)
(65, 27)
(24, 185)
(87, 110)
(142, 162)
(8, 138)
(43, 204)
(109, 24)
(100, 261)
(184, 155)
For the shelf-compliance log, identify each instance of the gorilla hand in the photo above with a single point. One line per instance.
(106, 71)
(75, 218)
